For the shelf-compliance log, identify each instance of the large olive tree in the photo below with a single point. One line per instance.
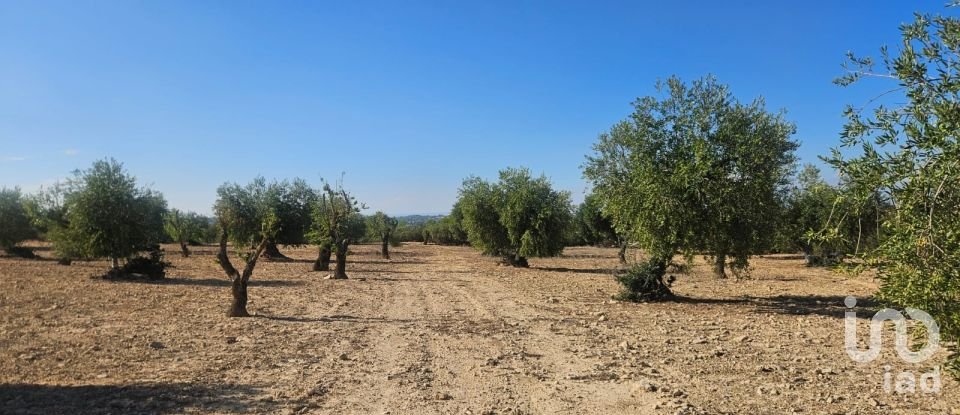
(909, 153)
(694, 170)
(107, 215)
(247, 220)
(516, 218)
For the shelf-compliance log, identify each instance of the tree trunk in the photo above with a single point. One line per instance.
(238, 286)
(239, 306)
(720, 265)
(323, 260)
(385, 249)
(340, 273)
(184, 250)
(622, 255)
(273, 253)
(116, 264)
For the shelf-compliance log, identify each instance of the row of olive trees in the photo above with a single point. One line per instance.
(101, 212)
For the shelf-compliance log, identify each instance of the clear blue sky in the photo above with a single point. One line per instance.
(406, 97)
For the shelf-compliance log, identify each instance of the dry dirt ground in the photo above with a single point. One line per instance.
(438, 330)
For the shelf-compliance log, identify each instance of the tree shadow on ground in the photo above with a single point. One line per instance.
(822, 305)
(217, 282)
(782, 257)
(382, 271)
(605, 271)
(395, 261)
(143, 398)
(335, 318)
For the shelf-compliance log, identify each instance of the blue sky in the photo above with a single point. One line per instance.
(406, 97)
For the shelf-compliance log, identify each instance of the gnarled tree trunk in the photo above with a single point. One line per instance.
(385, 248)
(340, 271)
(323, 259)
(239, 280)
(272, 252)
(622, 254)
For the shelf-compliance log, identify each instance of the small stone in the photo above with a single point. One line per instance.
(231, 339)
(343, 356)
(443, 396)
(156, 345)
(102, 376)
(603, 317)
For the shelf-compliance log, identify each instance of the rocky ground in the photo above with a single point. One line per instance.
(439, 330)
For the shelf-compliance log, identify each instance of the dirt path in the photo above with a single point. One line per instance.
(436, 330)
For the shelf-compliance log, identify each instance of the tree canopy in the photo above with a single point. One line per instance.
(516, 218)
(107, 215)
(695, 170)
(337, 223)
(909, 155)
(15, 225)
(248, 219)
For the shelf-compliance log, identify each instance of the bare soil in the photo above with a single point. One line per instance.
(439, 330)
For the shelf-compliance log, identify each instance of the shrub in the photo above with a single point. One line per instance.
(150, 267)
(646, 281)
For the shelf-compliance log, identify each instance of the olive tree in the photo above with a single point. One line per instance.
(15, 225)
(383, 227)
(337, 223)
(248, 220)
(908, 152)
(107, 215)
(593, 227)
(184, 228)
(694, 170)
(292, 203)
(516, 218)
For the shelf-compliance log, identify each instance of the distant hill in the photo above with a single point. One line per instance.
(418, 219)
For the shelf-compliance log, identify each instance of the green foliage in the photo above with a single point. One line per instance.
(909, 154)
(591, 225)
(646, 281)
(15, 225)
(186, 227)
(695, 170)
(106, 215)
(336, 219)
(516, 218)
(410, 232)
(382, 227)
(448, 230)
(293, 203)
(47, 209)
(247, 214)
